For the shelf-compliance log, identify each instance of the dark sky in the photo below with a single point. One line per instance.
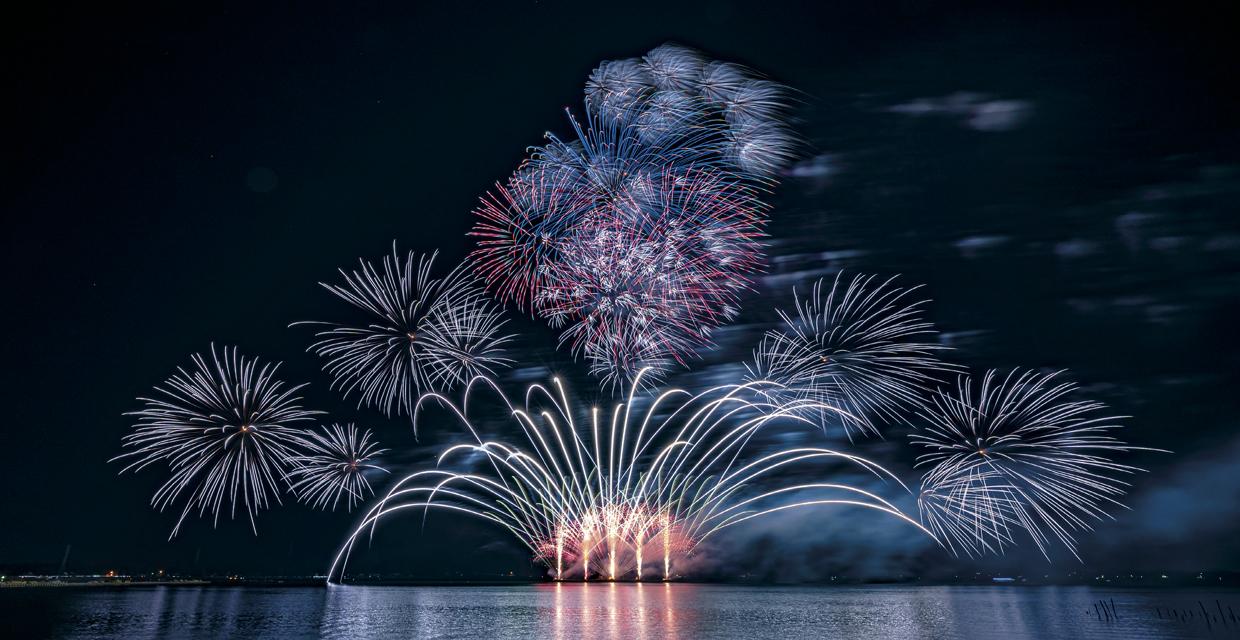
(1064, 182)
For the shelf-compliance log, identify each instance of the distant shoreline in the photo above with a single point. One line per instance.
(34, 584)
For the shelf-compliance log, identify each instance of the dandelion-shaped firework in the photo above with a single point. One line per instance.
(626, 492)
(1016, 454)
(857, 345)
(333, 467)
(223, 429)
(421, 333)
(645, 226)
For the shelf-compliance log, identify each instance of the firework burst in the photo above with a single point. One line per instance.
(625, 493)
(520, 229)
(859, 345)
(333, 467)
(1015, 454)
(674, 67)
(421, 334)
(637, 236)
(646, 283)
(223, 429)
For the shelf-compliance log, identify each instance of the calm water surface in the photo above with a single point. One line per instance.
(612, 611)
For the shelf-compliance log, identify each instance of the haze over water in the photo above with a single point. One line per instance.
(602, 610)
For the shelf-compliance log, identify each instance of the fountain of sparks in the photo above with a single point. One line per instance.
(656, 475)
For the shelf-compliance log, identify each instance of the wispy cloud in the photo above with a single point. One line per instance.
(977, 111)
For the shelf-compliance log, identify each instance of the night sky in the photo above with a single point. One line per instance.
(1065, 184)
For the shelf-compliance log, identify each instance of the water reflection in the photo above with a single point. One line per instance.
(611, 610)
(559, 610)
(573, 611)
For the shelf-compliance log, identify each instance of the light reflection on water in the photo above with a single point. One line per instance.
(606, 610)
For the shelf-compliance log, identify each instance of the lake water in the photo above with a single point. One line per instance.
(614, 611)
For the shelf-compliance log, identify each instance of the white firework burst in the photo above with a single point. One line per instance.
(334, 467)
(859, 346)
(222, 427)
(1016, 454)
(422, 333)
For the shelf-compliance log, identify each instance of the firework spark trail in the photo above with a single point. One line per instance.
(637, 237)
(626, 482)
(859, 345)
(423, 333)
(222, 427)
(333, 467)
(1019, 456)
